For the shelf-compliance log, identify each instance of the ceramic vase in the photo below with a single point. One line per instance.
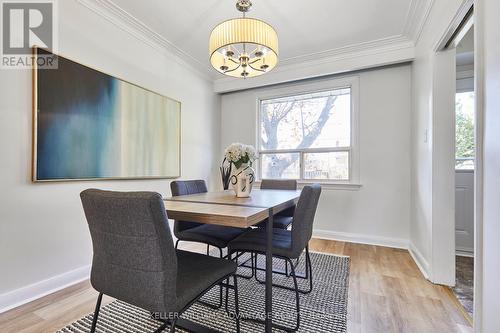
(242, 180)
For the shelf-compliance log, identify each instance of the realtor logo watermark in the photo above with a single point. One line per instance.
(26, 24)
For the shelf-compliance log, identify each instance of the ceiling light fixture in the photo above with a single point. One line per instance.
(243, 47)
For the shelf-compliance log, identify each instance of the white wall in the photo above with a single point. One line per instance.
(43, 232)
(421, 229)
(488, 273)
(379, 212)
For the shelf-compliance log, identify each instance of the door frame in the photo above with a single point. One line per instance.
(447, 230)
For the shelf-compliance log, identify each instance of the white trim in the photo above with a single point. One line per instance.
(387, 43)
(26, 294)
(301, 88)
(415, 20)
(325, 185)
(454, 25)
(417, 16)
(398, 243)
(395, 53)
(480, 88)
(442, 258)
(419, 259)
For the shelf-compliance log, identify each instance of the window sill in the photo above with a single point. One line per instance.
(326, 185)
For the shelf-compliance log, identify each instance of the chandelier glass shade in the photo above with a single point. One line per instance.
(243, 47)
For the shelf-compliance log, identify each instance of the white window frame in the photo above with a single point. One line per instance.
(314, 87)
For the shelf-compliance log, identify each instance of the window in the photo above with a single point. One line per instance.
(464, 131)
(307, 136)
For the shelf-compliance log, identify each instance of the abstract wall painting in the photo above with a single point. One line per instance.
(90, 125)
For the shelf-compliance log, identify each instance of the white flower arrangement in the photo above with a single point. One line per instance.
(239, 154)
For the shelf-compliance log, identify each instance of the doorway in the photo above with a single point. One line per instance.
(464, 168)
(454, 159)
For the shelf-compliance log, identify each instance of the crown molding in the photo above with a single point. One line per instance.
(349, 50)
(403, 43)
(343, 62)
(417, 16)
(130, 24)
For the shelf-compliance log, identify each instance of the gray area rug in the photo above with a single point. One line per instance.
(323, 310)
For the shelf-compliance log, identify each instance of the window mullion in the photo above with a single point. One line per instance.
(302, 175)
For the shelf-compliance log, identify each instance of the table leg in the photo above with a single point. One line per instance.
(269, 273)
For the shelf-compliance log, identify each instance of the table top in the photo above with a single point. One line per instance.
(224, 208)
(226, 215)
(258, 198)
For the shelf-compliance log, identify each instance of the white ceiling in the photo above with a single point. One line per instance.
(306, 28)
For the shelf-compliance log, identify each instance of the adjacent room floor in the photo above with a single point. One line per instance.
(387, 293)
(464, 289)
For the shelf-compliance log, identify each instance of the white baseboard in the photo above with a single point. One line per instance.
(42, 288)
(361, 239)
(39, 289)
(398, 243)
(419, 259)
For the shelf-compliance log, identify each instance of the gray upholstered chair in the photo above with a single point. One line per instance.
(287, 244)
(210, 234)
(281, 220)
(135, 260)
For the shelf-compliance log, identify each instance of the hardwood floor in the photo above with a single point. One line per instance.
(387, 293)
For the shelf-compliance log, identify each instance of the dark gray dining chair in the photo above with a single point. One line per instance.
(283, 219)
(135, 260)
(213, 235)
(210, 234)
(287, 244)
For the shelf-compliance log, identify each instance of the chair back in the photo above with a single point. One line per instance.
(303, 217)
(278, 184)
(185, 187)
(134, 257)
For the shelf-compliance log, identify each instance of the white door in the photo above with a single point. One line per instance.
(464, 212)
(443, 168)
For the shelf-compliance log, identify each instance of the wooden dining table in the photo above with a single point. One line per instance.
(224, 208)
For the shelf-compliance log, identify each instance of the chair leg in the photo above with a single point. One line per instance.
(297, 302)
(297, 296)
(172, 325)
(96, 313)
(218, 306)
(161, 328)
(308, 276)
(227, 297)
(236, 304)
(243, 264)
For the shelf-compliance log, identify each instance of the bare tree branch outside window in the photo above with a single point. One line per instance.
(305, 128)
